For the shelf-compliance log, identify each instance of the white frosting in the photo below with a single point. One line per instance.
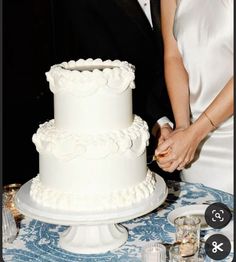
(92, 95)
(86, 77)
(92, 155)
(91, 202)
(66, 146)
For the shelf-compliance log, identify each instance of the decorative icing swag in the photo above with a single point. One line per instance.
(86, 77)
(65, 145)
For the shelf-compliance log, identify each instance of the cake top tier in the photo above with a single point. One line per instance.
(89, 75)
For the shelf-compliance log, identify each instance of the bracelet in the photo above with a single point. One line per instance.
(209, 119)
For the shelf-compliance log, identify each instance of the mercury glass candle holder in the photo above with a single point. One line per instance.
(9, 192)
(175, 255)
(188, 234)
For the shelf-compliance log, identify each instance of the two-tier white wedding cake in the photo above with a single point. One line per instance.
(92, 155)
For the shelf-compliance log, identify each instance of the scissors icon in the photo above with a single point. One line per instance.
(216, 247)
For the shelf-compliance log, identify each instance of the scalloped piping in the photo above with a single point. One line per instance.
(74, 202)
(65, 145)
(115, 77)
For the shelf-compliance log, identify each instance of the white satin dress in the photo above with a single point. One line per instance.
(204, 33)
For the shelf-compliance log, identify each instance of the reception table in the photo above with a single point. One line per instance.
(38, 241)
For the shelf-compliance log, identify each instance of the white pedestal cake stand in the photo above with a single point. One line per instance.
(90, 232)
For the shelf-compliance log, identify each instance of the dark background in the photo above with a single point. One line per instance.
(28, 52)
(27, 101)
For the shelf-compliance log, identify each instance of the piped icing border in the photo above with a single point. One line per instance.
(66, 146)
(86, 77)
(75, 202)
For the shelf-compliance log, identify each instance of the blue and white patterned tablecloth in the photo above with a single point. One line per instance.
(38, 241)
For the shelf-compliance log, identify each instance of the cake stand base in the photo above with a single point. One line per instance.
(93, 238)
(90, 232)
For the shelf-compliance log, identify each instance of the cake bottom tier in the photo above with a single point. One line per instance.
(68, 201)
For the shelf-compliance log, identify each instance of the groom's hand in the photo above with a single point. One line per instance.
(161, 133)
(165, 132)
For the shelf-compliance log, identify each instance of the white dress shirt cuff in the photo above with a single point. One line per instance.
(165, 120)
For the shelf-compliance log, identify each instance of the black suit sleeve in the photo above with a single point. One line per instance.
(158, 103)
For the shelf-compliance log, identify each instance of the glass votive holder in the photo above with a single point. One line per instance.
(9, 228)
(175, 255)
(154, 252)
(9, 192)
(188, 234)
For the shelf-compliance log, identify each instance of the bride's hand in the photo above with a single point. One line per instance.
(182, 144)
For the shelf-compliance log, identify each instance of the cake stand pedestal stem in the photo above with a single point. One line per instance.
(93, 239)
